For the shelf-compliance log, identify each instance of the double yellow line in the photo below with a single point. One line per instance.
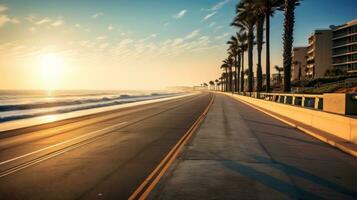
(143, 191)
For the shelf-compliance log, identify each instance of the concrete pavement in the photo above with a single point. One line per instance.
(241, 153)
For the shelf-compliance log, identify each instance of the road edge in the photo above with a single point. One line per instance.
(145, 188)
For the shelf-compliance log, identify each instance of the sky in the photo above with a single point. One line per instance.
(137, 44)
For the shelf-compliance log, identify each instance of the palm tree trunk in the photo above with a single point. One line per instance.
(260, 22)
(226, 89)
(230, 79)
(267, 50)
(238, 70)
(288, 41)
(250, 59)
(242, 74)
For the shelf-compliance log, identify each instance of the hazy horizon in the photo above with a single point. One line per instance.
(136, 45)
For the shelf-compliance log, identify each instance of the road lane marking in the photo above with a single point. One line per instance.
(71, 147)
(143, 191)
(110, 128)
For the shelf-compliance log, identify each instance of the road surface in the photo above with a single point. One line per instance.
(242, 153)
(101, 156)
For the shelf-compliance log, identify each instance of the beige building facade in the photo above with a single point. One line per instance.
(319, 55)
(344, 48)
(298, 67)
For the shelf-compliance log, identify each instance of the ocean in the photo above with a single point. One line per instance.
(21, 104)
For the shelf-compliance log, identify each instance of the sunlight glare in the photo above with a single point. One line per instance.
(52, 66)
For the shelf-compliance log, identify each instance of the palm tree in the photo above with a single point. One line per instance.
(229, 63)
(222, 81)
(224, 66)
(289, 20)
(245, 20)
(279, 70)
(234, 51)
(268, 7)
(217, 82)
(211, 84)
(205, 85)
(259, 33)
(243, 46)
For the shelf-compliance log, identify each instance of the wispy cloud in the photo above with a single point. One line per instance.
(177, 41)
(110, 28)
(181, 14)
(32, 29)
(100, 37)
(219, 5)
(209, 15)
(212, 24)
(96, 15)
(193, 34)
(4, 19)
(3, 8)
(221, 36)
(57, 23)
(43, 21)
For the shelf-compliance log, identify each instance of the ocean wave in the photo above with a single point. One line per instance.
(22, 111)
(69, 102)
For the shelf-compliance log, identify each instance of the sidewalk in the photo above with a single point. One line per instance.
(241, 153)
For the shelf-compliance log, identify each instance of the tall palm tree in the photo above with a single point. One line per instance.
(246, 19)
(229, 63)
(259, 14)
(217, 83)
(243, 46)
(268, 7)
(220, 83)
(289, 20)
(234, 51)
(211, 84)
(225, 67)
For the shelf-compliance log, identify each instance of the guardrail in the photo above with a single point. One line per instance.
(312, 101)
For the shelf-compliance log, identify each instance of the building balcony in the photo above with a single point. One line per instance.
(309, 51)
(340, 36)
(344, 63)
(344, 54)
(344, 45)
(310, 59)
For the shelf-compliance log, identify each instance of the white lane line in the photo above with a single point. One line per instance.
(107, 129)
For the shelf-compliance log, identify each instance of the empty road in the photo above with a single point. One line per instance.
(99, 156)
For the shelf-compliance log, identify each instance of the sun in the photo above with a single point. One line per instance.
(52, 66)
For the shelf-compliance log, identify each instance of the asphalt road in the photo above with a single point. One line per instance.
(104, 156)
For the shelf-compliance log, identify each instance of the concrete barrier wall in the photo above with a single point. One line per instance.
(338, 125)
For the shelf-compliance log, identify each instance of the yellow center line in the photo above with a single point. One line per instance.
(168, 160)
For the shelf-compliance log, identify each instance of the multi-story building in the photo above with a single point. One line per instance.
(319, 53)
(344, 46)
(298, 66)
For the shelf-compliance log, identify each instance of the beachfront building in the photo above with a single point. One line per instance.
(319, 53)
(298, 66)
(344, 46)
